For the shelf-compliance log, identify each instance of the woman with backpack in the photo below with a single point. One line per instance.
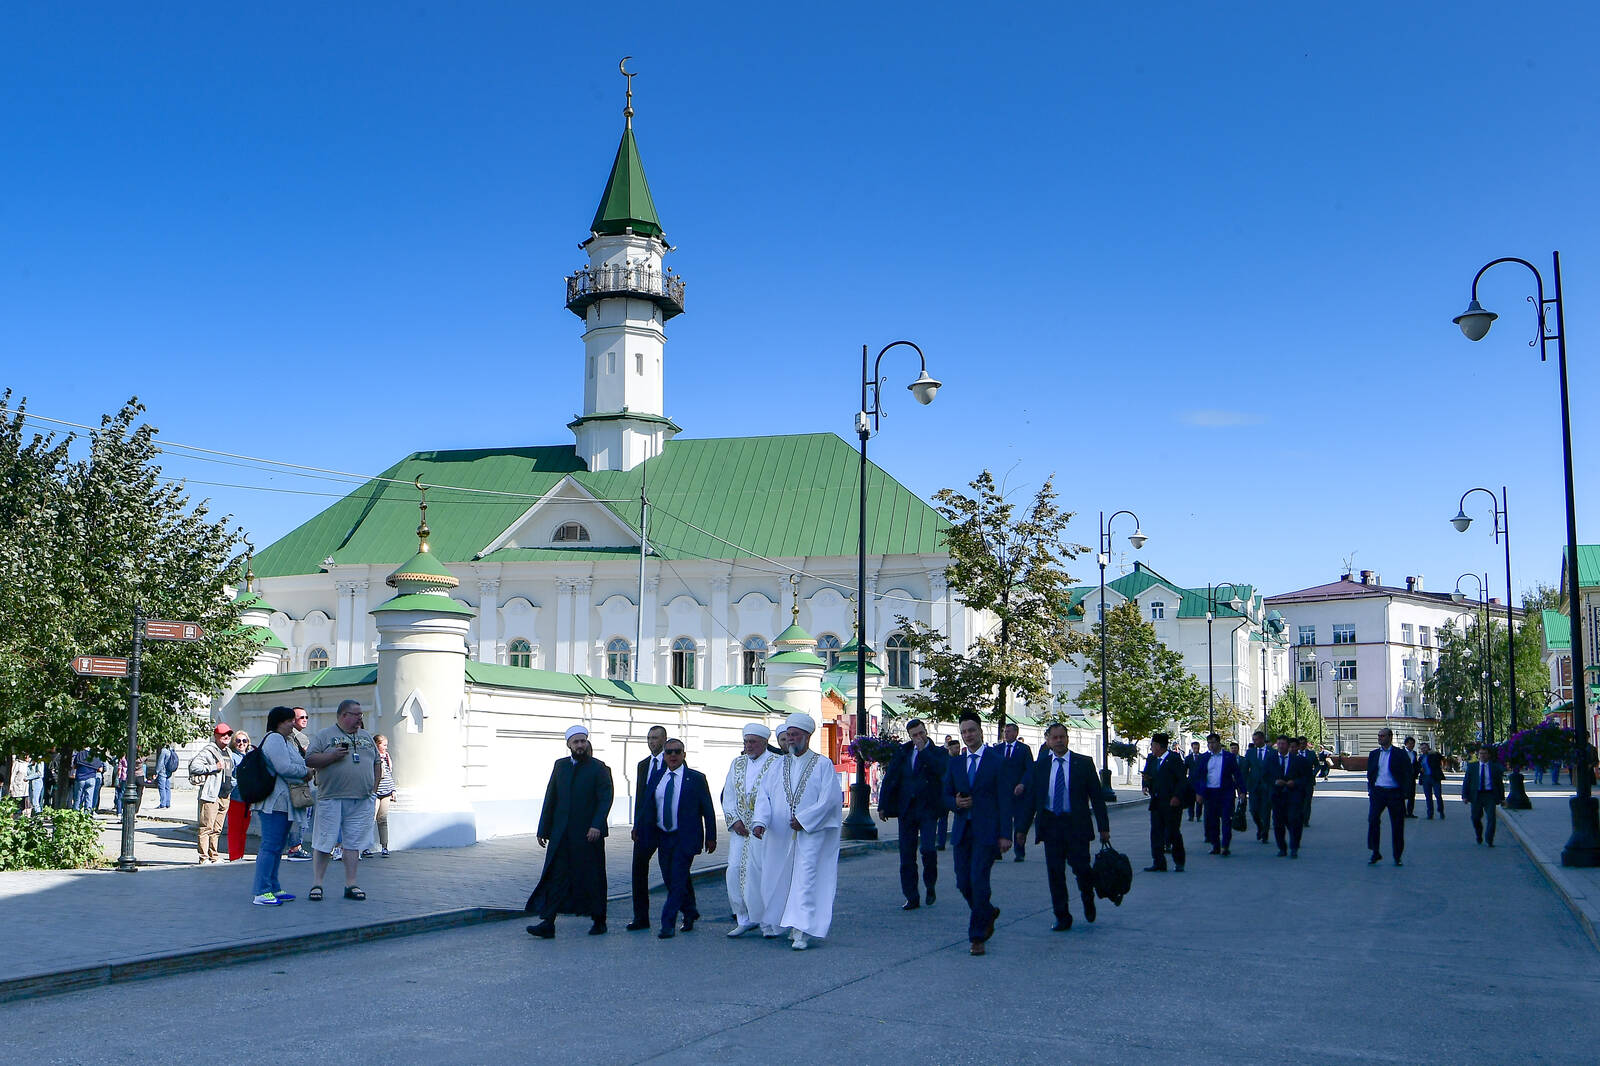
(238, 809)
(275, 812)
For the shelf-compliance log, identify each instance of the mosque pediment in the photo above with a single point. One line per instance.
(568, 517)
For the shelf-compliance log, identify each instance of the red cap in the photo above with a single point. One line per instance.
(223, 729)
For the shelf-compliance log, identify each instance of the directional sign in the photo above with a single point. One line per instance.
(100, 666)
(157, 629)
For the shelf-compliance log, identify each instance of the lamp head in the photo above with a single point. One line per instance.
(1461, 521)
(1236, 603)
(1475, 321)
(1457, 596)
(1137, 539)
(1308, 656)
(925, 388)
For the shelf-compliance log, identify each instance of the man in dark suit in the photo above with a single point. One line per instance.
(913, 791)
(1483, 788)
(573, 825)
(1389, 773)
(1430, 775)
(677, 819)
(1018, 763)
(1258, 784)
(645, 778)
(977, 788)
(1194, 807)
(1302, 748)
(1065, 788)
(1289, 774)
(1166, 783)
(1411, 793)
(1217, 777)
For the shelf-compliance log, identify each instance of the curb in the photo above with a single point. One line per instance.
(1576, 897)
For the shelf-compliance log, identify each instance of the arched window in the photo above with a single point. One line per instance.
(1158, 610)
(619, 659)
(828, 649)
(898, 654)
(520, 653)
(317, 658)
(683, 662)
(571, 533)
(754, 661)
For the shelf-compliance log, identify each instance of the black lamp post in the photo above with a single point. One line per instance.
(1486, 672)
(1517, 797)
(1327, 664)
(1583, 847)
(1212, 602)
(858, 824)
(1137, 539)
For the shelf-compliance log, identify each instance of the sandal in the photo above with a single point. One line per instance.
(315, 895)
(353, 892)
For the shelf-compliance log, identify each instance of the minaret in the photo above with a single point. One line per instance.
(794, 673)
(624, 296)
(422, 663)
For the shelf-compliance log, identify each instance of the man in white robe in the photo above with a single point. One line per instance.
(798, 816)
(746, 777)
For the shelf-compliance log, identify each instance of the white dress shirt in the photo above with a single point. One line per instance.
(1064, 799)
(1214, 770)
(1385, 779)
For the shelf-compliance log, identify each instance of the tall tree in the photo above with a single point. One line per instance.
(1147, 687)
(1291, 713)
(1458, 685)
(83, 542)
(1201, 718)
(1011, 566)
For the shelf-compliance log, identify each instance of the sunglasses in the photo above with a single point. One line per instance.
(673, 751)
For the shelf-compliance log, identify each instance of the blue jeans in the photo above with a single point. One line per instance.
(99, 783)
(82, 793)
(164, 786)
(274, 831)
(36, 793)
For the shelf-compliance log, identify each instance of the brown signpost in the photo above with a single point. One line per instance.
(100, 666)
(160, 629)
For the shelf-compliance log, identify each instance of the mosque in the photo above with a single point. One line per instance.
(627, 579)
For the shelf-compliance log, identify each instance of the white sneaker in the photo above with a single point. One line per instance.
(267, 899)
(771, 932)
(800, 941)
(336, 854)
(741, 929)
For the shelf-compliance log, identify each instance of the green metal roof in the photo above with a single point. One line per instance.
(794, 635)
(328, 677)
(250, 601)
(1191, 603)
(626, 203)
(266, 637)
(773, 496)
(1588, 566)
(423, 568)
(1557, 629)
(795, 655)
(425, 601)
(847, 668)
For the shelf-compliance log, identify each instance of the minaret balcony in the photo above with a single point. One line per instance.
(590, 285)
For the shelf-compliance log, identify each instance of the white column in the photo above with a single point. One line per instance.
(358, 623)
(342, 625)
(582, 590)
(488, 619)
(648, 639)
(716, 634)
(561, 659)
(870, 636)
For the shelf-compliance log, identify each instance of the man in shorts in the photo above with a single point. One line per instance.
(346, 760)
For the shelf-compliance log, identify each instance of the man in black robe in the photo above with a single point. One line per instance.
(577, 805)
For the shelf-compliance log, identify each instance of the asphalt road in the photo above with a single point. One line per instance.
(1463, 955)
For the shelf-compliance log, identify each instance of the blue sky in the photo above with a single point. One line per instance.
(1195, 260)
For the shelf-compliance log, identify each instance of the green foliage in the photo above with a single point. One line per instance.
(1011, 566)
(1147, 687)
(1292, 713)
(82, 542)
(57, 840)
(1125, 750)
(1200, 718)
(1457, 687)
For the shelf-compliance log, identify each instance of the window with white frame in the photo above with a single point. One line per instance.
(1308, 673)
(519, 653)
(1344, 634)
(1424, 636)
(1158, 610)
(1349, 706)
(317, 658)
(1405, 632)
(753, 660)
(1564, 676)
(1408, 669)
(897, 656)
(1307, 635)
(1347, 669)
(683, 657)
(571, 533)
(828, 649)
(1100, 611)
(619, 659)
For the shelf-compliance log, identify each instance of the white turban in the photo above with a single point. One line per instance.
(756, 729)
(801, 721)
(577, 731)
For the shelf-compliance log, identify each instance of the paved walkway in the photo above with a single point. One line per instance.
(1543, 832)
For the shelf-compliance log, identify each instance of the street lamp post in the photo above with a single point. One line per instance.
(1486, 674)
(1137, 539)
(1338, 727)
(1583, 847)
(1212, 602)
(858, 824)
(1517, 797)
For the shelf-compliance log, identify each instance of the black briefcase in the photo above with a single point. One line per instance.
(1113, 875)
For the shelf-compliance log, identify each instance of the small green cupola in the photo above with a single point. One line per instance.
(423, 581)
(626, 205)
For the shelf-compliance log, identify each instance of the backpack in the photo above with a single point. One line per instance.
(253, 777)
(1113, 875)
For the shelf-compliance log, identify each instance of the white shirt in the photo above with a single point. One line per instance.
(1214, 770)
(1385, 779)
(1065, 763)
(675, 776)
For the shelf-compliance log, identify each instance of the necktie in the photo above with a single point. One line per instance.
(1285, 759)
(666, 802)
(1485, 772)
(1061, 785)
(972, 768)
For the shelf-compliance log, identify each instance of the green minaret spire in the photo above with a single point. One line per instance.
(626, 203)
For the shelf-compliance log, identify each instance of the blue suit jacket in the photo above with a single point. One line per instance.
(1232, 773)
(697, 818)
(989, 818)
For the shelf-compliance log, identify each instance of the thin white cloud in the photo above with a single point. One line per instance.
(1213, 419)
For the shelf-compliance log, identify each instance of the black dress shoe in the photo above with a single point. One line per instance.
(1062, 924)
(1216, 851)
(1088, 909)
(1178, 869)
(636, 926)
(931, 897)
(1491, 843)
(597, 929)
(1294, 855)
(1376, 858)
(992, 919)
(544, 930)
(666, 934)
(1282, 852)
(1155, 869)
(1397, 862)
(1226, 851)
(688, 923)
(1017, 858)
(910, 905)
